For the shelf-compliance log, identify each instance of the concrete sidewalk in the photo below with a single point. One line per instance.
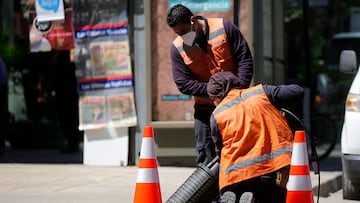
(78, 183)
(46, 176)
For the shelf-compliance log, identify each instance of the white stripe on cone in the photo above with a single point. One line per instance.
(147, 148)
(147, 175)
(299, 183)
(300, 156)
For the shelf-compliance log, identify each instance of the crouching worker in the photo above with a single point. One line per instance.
(252, 138)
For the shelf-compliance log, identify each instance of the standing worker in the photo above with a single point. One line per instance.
(252, 138)
(203, 47)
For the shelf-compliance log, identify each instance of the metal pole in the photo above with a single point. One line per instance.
(236, 12)
(307, 98)
(306, 42)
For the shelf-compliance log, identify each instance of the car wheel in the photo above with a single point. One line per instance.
(351, 190)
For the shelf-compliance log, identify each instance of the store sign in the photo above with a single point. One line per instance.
(49, 10)
(177, 97)
(51, 35)
(203, 5)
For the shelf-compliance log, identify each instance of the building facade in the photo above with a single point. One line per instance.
(158, 102)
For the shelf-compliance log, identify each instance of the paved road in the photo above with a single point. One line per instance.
(335, 197)
(332, 192)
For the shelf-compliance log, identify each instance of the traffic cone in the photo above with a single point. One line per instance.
(299, 189)
(147, 183)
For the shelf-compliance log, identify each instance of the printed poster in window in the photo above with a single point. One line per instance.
(92, 112)
(122, 109)
(110, 58)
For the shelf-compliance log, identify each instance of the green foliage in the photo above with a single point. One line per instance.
(10, 52)
(292, 14)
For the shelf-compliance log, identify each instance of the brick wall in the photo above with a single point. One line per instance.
(162, 83)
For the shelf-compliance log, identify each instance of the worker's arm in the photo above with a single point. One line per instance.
(215, 135)
(283, 96)
(183, 77)
(241, 52)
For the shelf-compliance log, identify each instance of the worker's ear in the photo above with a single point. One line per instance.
(217, 100)
(193, 20)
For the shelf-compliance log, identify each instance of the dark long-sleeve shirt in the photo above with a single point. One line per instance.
(242, 57)
(283, 96)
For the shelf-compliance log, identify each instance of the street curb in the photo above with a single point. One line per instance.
(328, 187)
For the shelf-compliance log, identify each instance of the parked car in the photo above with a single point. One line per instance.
(350, 136)
(332, 86)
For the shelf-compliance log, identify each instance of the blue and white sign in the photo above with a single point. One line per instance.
(49, 10)
(203, 5)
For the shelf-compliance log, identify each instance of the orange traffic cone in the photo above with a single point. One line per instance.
(147, 183)
(299, 189)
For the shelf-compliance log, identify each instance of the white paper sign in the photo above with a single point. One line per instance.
(49, 10)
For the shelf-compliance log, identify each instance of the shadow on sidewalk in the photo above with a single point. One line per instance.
(333, 161)
(41, 156)
(54, 156)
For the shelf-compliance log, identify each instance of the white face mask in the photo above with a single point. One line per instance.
(189, 37)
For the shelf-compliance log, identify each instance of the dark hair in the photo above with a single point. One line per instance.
(178, 14)
(221, 83)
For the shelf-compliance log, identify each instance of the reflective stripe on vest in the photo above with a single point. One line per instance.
(238, 100)
(259, 159)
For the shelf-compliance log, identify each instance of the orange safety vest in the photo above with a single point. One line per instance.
(256, 137)
(217, 58)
